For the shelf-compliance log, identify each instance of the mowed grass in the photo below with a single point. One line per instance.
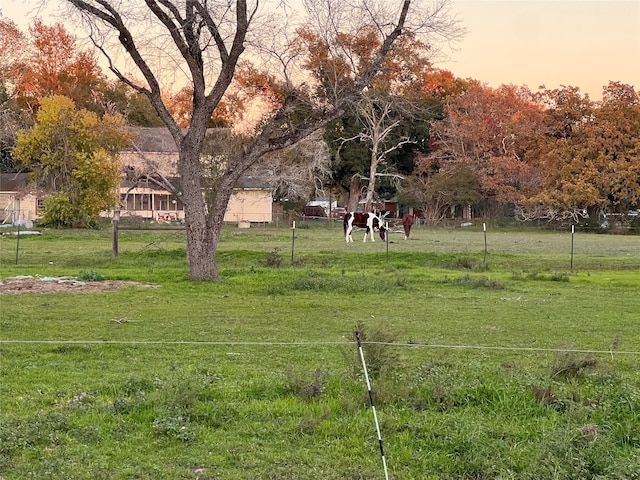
(511, 364)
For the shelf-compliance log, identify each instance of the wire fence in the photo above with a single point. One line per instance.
(311, 344)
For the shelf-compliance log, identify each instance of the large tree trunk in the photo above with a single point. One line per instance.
(201, 239)
(201, 246)
(205, 207)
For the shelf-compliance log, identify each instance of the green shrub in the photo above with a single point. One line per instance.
(305, 388)
(90, 276)
(380, 356)
(467, 263)
(174, 427)
(547, 277)
(179, 392)
(477, 282)
(274, 259)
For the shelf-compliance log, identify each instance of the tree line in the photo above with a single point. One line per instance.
(391, 123)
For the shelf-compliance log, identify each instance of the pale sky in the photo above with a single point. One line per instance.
(582, 43)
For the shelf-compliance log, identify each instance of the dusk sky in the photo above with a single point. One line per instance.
(523, 42)
(557, 42)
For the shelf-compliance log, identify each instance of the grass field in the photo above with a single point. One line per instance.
(521, 362)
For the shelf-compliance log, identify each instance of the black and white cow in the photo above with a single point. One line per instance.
(370, 221)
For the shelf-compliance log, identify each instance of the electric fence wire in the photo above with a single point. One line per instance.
(310, 344)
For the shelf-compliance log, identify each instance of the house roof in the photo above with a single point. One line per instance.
(252, 183)
(154, 139)
(245, 183)
(157, 139)
(13, 182)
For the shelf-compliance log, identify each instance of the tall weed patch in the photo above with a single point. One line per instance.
(313, 280)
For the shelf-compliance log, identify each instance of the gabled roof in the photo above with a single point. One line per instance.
(248, 182)
(156, 139)
(13, 182)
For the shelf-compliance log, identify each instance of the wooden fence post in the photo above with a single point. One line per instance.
(115, 222)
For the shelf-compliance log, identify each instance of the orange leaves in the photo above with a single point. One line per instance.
(180, 105)
(250, 86)
(53, 48)
(574, 154)
(440, 83)
(12, 43)
(329, 70)
(489, 131)
(335, 62)
(258, 83)
(52, 64)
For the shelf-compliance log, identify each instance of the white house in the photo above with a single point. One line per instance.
(147, 166)
(18, 202)
(153, 159)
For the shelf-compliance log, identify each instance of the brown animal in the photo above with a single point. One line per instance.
(407, 222)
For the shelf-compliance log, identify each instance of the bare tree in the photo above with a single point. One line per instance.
(203, 40)
(299, 172)
(379, 116)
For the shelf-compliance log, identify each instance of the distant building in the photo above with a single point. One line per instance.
(147, 166)
(18, 202)
(153, 159)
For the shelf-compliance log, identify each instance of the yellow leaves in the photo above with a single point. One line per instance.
(55, 108)
(592, 157)
(73, 154)
(98, 180)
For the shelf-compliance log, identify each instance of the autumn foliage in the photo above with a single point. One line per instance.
(553, 153)
(73, 153)
(588, 155)
(53, 64)
(490, 131)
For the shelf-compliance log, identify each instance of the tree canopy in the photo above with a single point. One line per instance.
(73, 155)
(588, 156)
(553, 154)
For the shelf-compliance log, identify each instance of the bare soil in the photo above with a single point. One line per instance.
(22, 285)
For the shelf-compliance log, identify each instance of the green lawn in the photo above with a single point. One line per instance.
(509, 365)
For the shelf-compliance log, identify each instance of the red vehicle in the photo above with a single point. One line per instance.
(338, 212)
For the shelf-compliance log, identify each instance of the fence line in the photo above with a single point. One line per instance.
(307, 344)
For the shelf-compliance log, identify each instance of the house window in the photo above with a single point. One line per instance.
(40, 204)
(129, 203)
(162, 202)
(141, 201)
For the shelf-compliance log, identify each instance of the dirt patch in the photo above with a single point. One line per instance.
(37, 284)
